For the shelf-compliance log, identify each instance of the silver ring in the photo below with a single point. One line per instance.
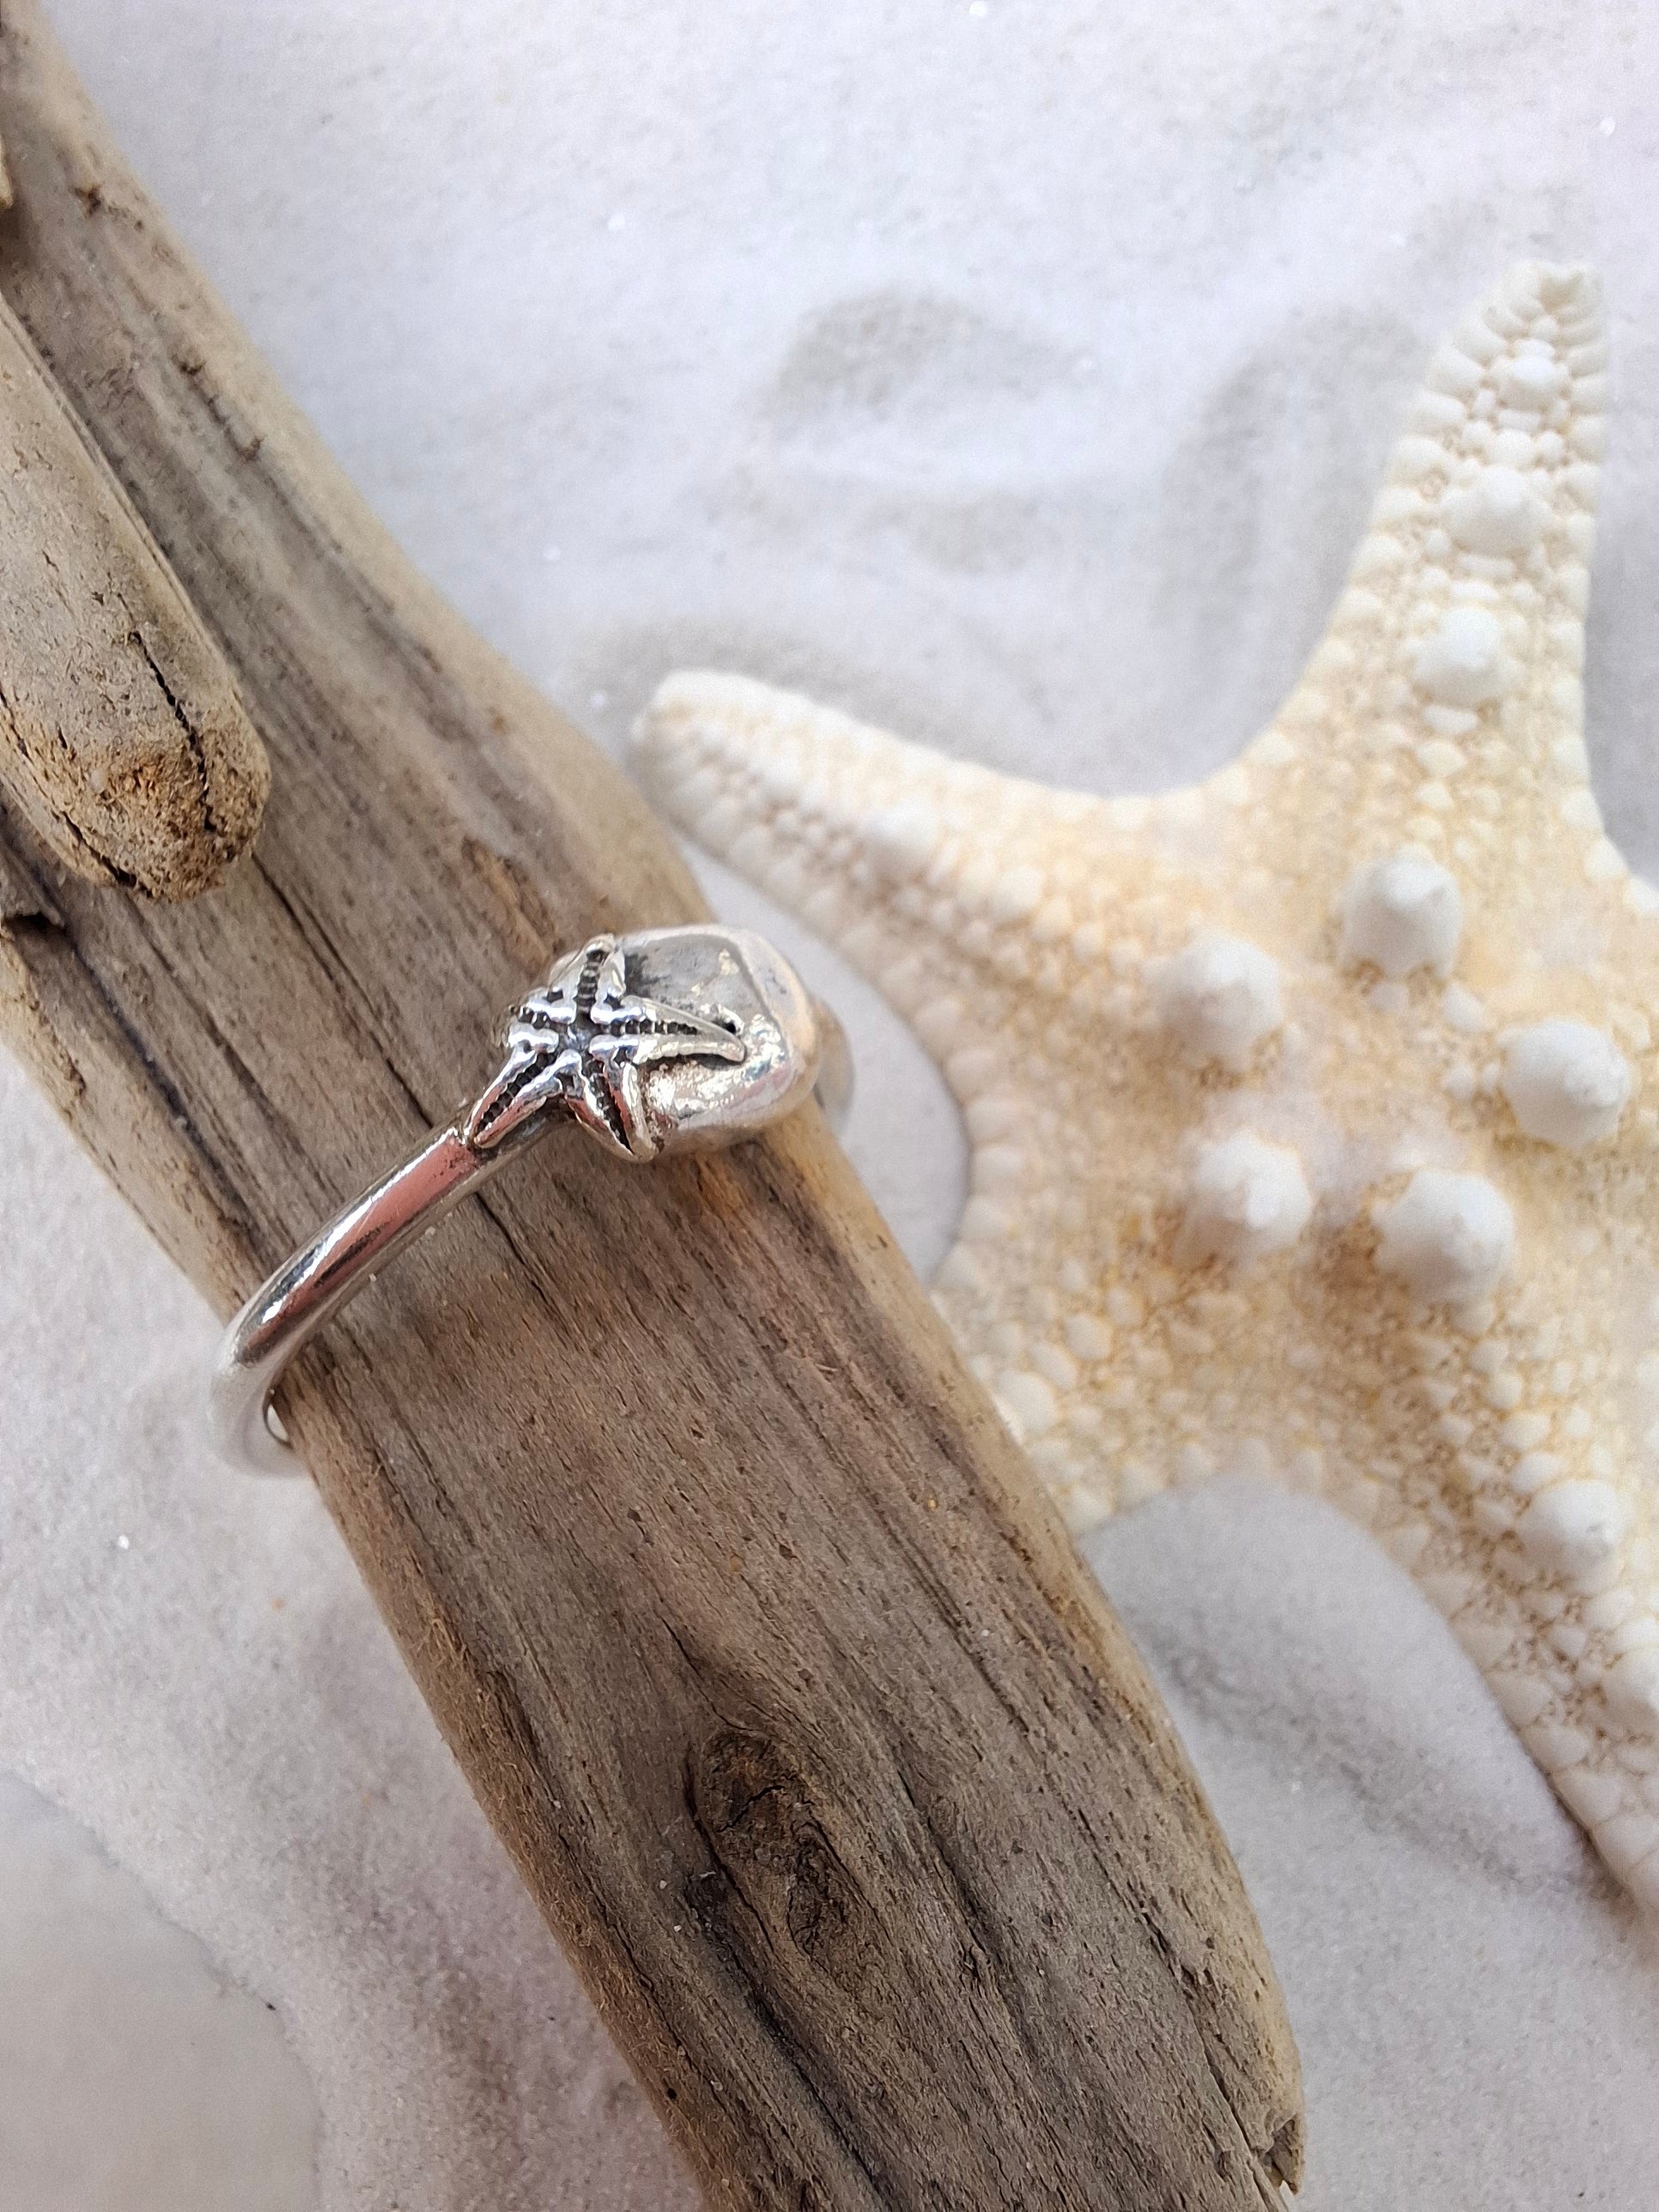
(666, 1041)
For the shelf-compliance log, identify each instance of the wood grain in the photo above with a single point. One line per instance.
(819, 1751)
(123, 744)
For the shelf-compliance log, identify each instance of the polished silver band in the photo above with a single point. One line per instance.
(665, 1041)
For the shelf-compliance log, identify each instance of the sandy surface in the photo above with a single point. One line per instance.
(1018, 376)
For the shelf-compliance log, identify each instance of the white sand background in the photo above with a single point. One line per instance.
(1019, 375)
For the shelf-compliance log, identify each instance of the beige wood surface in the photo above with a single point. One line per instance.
(123, 744)
(821, 1754)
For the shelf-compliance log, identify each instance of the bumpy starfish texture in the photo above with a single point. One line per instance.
(1314, 1111)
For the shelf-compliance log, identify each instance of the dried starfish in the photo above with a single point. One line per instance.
(1315, 1109)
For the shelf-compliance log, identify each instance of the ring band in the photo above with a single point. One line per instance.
(661, 1041)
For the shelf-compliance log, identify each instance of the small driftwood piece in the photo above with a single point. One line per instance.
(123, 744)
(818, 1749)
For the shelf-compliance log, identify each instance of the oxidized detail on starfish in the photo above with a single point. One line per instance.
(1355, 1041)
(581, 1040)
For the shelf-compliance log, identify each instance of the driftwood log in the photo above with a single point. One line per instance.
(819, 1751)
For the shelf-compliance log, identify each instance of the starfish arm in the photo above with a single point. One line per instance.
(667, 1033)
(627, 1087)
(610, 979)
(931, 875)
(536, 1026)
(1443, 709)
(599, 1097)
(526, 1082)
(1524, 1519)
(558, 990)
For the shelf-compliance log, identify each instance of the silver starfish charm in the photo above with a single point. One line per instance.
(581, 1040)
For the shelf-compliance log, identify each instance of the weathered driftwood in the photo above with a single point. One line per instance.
(123, 744)
(817, 1749)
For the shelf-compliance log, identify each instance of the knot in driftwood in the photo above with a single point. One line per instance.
(757, 1814)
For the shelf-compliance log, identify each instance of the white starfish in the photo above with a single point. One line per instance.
(1314, 1111)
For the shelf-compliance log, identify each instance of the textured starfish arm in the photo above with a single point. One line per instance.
(1444, 707)
(520, 1089)
(916, 864)
(1313, 1111)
